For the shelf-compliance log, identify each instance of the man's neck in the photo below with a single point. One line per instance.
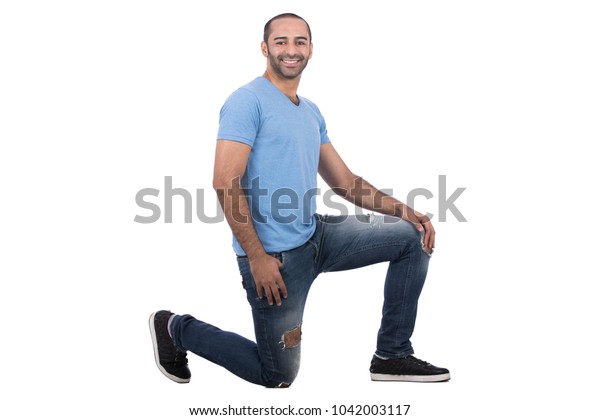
(288, 87)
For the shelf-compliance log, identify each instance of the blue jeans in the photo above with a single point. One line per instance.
(339, 243)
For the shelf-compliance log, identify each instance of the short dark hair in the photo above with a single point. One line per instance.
(267, 31)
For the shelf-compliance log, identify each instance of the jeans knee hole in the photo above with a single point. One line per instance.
(291, 338)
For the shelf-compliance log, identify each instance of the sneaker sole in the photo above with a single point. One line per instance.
(410, 378)
(157, 359)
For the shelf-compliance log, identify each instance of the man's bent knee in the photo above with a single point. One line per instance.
(290, 342)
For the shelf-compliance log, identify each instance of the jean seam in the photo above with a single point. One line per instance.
(316, 242)
(407, 283)
(409, 279)
(315, 249)
(267, 371)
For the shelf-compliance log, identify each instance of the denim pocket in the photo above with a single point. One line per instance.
(278, 255)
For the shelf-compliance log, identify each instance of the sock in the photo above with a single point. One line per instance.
(169, 325)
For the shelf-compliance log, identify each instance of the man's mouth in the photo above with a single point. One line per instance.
(290, 61)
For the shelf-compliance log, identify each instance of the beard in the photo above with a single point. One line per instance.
(287, 72)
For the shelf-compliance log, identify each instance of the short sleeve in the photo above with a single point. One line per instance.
(322, 125)
(323, 129)
(239, 119)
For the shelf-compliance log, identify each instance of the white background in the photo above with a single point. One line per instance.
(101, 99)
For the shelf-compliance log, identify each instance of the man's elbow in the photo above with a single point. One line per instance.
(226, 182)
(217, 183)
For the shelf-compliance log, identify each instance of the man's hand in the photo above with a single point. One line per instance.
(268, 280)
(422, 223)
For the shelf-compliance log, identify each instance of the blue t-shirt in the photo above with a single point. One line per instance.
(281, 175)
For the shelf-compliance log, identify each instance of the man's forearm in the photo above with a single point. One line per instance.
(237, 213)
(365, 195)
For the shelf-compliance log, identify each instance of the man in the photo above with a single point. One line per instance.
(271, 145)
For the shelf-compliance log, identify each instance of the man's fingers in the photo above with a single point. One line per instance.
(273, 292)
(282, 289)
(427, 239)
(429, 236)
(269, 296)
(276, 295)
(279, 291)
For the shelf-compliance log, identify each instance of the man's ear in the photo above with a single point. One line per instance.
(310, 51)
(264, 48)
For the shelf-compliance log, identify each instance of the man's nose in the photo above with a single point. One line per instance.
(291, 49)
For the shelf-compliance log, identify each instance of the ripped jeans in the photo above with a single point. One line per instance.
(339, 243)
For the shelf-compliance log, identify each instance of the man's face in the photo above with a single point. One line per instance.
(289, 47)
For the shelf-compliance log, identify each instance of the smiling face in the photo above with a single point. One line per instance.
(288, 48)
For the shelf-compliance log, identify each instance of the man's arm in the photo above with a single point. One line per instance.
(231, 158)
(359, 192)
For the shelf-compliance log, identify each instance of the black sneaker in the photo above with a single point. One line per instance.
(409, 369)
(171, 361)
